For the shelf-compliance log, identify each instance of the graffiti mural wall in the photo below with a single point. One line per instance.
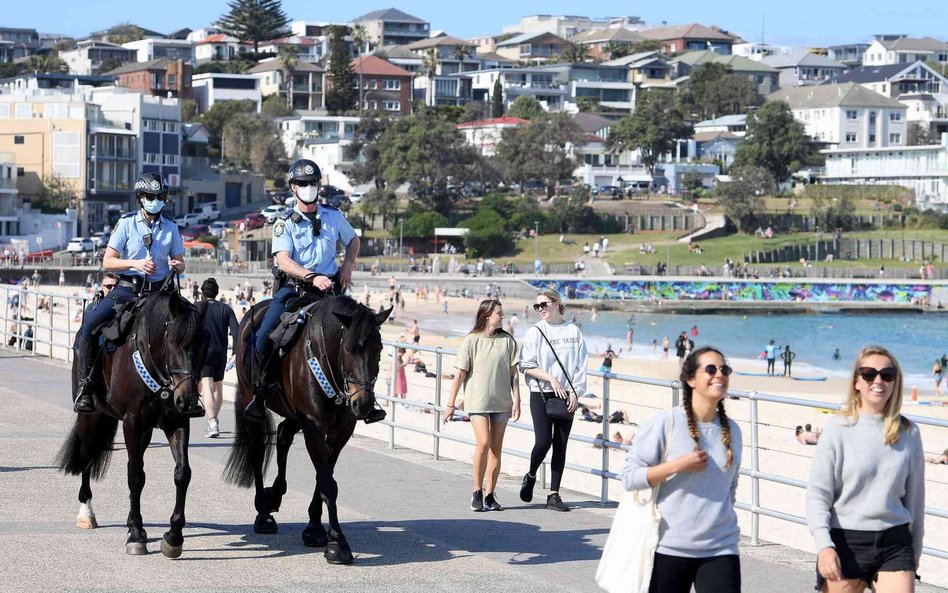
(757, 290)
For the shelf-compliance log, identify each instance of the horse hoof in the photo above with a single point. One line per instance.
(136, 548)
(169, 550)
(265, 524)
(338, 553)
(315, 537)
(86, 522)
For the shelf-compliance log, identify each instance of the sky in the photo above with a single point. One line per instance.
(796, 22)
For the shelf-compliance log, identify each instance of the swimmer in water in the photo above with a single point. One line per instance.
(836, 354)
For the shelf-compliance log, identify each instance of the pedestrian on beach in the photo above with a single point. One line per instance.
(698, 536)
(401, 382)
(62, 278)
(512, 325)
(487, 368)
(681, 348)
(937, 372)
(787, 355)
(865, 502)
(630, 331)
(770, 353)
(554, 359)
(607, 357)
(218, 321)
(665, 345)
(414, 331)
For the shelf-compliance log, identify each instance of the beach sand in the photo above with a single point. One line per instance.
(779, 453)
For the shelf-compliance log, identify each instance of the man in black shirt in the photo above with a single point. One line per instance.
(218, 321)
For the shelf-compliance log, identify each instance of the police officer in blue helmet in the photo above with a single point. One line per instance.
(304, 249)
(144, 248)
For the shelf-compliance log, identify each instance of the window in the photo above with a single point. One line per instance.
(392, 105)
(852, 114)
(872, 138)
(20, 172)
(19, 140)
(895, 116)
(392, 85)
(66, 147)
(895, 138)
(24, 111)
(850, 137)
(170, 127)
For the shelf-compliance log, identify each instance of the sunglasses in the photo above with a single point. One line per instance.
(713, 370)
(162, 197)
(869, 374)
(306, 183)
(109, 286)
(542, 306)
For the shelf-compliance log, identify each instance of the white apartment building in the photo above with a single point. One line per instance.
(485, 134)
(905, 50)
(89, 55)
(323, 139)
(211, 87)
(565, 26)
(847, 115)
(923, 169)
(152, 49)
(219, 48)
(22, 227)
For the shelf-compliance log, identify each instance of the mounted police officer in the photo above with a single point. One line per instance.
(304, 250)
(143, 249)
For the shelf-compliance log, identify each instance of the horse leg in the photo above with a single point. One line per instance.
(337, 548)
(285, 433)
(178, 438)
(314, 535)
(135, 444)
(264, 523)
(86, 517)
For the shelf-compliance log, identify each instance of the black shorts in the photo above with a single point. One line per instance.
(214, 365)
(864, 554)
(416, 339)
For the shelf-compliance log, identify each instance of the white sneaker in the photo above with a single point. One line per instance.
(213, 429)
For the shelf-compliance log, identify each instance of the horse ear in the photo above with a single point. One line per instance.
(346, 319)
(381, 316)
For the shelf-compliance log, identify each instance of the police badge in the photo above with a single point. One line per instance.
(278, 229)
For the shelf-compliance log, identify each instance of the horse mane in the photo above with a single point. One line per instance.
(363, 322)
(182, 327)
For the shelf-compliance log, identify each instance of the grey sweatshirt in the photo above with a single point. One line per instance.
(697, 508)
(858, 482)
(570, 347)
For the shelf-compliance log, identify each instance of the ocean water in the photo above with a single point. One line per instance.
(916, 340)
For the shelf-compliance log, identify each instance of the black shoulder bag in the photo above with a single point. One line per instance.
(556, 407)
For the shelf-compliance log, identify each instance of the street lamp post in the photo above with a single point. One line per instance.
(536, 240)
(401, 233)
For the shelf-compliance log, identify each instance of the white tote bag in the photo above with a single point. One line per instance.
(629, 553)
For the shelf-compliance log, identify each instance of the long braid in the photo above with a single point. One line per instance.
(725, 433)
(690, 415)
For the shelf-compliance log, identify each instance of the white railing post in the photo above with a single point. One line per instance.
(436, 433)
(676, 394)
(392, 398)
(604, 466)
(52, 306)
(755, 468)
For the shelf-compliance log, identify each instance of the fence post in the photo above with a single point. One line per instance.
(436, 445)
(604, 492)
(755, 467)
(676, 394)
(392, 397)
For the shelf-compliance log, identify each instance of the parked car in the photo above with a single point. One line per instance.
(608, 190)
(101, 239)
(198, 230)
(188, 220)
(355, 196)
(80, 245)
(254, 220)
(270, 213)
(217, 228)
(207, 212)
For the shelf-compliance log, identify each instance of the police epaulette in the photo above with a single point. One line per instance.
(328, 207)
(296, 217)
(130, 214)
(285, 215)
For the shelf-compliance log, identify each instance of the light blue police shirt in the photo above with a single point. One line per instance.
(128, 239)
(315, 253)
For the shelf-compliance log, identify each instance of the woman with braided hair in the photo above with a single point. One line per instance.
(698, 535)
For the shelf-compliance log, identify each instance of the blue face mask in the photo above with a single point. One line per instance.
(153, 206)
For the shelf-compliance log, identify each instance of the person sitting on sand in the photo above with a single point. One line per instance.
(939, 459)
(806, 437)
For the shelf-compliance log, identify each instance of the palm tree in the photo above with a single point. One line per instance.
(287, 58)
(430, 64)
(45, 63)
(460, 53)
(616, 49)
(361, 39)
(574, 53)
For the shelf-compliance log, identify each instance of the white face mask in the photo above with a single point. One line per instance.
(307, 194)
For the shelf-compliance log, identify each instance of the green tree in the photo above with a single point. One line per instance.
(774, 141)
(430, 64)
(587, 104)
(45, 63)
(743, 196)
(365, 150)
(9, 70)
(340, 97)
(474, 111)
(617, 49)
(275, 106)
(645, 45)
(488, 235)
(574, 53)
(56, 195)
(497, 100)
(421, 225)
(254, 142)
(189, 109)
(287, 59)
(109, 64)
(692, 182)
(835, 212)
(460, 53)
(919, 134)
(572, 214)
(219, 115)
(712, 91)
(525, 107)
(360, 38)
(254, 20)
(652, 129)
(121, 33)
(543, 150)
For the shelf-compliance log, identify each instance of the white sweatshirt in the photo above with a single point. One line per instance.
(570, 346)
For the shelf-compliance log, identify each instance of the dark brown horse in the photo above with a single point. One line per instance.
(167, 342)
(343, 339)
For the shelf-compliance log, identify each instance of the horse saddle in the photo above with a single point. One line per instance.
(292, 322)
(116, 330)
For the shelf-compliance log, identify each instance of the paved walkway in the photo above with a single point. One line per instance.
(405, 515)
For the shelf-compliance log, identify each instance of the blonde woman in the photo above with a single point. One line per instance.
(487, 368)
(865, 502)
(554, 360)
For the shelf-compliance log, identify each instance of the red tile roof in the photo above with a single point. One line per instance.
(495, 121)
(376, 66)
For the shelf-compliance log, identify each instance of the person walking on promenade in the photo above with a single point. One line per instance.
(698, 537)
(487, 368)
(865, 502)
(218, 321)
(770, 352)
(937, 372)
(787, 355)
(554, 359)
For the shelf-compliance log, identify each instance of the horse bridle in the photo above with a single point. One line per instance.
(343, 396)
(167, 381)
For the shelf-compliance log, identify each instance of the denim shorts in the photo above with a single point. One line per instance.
(492, 417)
(864, 554)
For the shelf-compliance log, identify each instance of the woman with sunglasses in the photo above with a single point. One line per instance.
(554, 361)
(144, 248)
(698, 537)
(487, 368)
(865, 502)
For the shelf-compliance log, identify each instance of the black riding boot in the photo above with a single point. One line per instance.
(85, 357)
(256, 410)
(190, 406)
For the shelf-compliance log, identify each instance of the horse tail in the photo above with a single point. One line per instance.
(253, 447)
(88, 446)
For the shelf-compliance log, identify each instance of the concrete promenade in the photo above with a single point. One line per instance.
(406, 517)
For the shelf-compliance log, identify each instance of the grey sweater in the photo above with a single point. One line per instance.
(697, 508)
(858, 482)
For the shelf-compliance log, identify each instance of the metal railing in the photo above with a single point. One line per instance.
(29, 321)
(752, 470)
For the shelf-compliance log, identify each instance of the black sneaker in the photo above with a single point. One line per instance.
(477, 502)
(526, 487)
(555, 503)
(491, 504)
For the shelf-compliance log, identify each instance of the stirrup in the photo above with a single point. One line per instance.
(256, 410)
(190, 409)
(84, 404)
